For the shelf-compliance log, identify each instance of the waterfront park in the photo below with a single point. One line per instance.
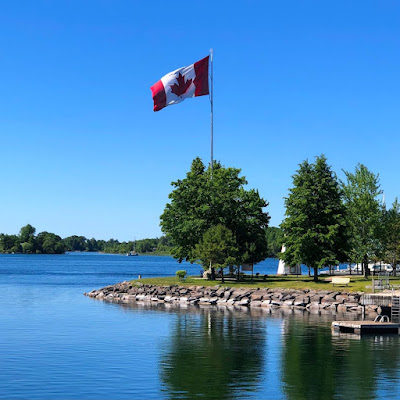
(200, 201)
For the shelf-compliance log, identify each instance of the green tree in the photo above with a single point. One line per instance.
(10, 243)
(27, 233)
(164, 244)
(203, 200)
(217, 249)
(314, 229)
(75, 243)
(27, 247)
(274, 237)
(49, 243)
(27, 239)
(392, 235)
(364, 215)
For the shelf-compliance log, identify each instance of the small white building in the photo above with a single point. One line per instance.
(284, 269)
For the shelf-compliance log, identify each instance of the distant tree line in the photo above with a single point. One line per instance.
(28, 242)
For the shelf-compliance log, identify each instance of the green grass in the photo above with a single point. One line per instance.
(357, 283)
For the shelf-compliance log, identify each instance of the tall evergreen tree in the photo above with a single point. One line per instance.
(314, 228)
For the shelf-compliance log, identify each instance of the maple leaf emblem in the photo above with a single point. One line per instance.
(182, 86)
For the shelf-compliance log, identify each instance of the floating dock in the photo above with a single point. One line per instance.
(365, 327)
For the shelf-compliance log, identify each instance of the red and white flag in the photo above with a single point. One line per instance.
(191, 81)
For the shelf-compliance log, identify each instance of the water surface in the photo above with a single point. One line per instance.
(56, 343)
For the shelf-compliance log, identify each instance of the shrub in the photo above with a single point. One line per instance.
(181, 274)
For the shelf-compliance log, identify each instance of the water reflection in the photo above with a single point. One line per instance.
(213, 354)
(317, 365)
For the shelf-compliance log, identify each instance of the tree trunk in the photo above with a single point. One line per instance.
(309, 271)
(222, 275)
(365, 267)
(212, 274)
(315, 274)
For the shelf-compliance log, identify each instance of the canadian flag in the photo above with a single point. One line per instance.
(191, 81)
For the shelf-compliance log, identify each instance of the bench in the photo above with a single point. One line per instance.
(340, 281)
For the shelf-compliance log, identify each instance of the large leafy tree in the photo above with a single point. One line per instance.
(205, 199)
(364, 215)
(314, 229)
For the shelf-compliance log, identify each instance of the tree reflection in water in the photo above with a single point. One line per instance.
(317, 365)
(214, 354)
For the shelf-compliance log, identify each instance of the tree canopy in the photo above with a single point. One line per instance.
(364, 215)
(205, 199)
(314, 228)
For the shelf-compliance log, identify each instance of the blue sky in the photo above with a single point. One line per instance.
(83, 153)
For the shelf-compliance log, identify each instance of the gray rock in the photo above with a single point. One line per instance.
(327, 300)
(342, 298)
(287, 303)
(227, 294)
(244, 301)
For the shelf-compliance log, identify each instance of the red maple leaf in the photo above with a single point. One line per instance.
(182, 86)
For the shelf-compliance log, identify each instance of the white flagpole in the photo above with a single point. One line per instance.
(211, 101)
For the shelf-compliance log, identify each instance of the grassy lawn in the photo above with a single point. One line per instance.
(357, 283)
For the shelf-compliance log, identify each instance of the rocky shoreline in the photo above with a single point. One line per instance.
(307, 300)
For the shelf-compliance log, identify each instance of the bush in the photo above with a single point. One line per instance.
(181, 274)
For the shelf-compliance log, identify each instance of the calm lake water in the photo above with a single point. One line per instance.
(56, 343)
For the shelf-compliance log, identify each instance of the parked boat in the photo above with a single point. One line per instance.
(133, 252)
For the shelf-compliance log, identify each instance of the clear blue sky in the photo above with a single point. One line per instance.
(83, 153)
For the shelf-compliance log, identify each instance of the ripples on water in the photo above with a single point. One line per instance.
(57, 344)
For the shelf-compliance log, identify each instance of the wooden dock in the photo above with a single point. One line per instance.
(365, 327)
